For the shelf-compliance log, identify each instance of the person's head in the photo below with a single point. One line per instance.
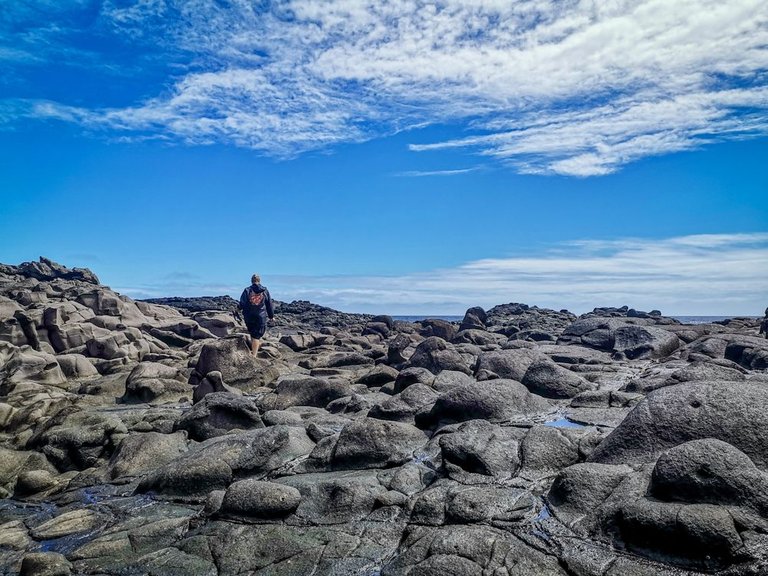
(255, 279)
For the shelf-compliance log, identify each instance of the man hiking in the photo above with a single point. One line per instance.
(256, 304)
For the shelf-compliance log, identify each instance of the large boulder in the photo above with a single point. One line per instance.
(479, 452)
(75, 440)
(633, 342)
(216, 463)
(547, 449)
(11, 330)
(151, 382)
(333, 498)
(437, 327)
(511, 363)
(15, 463)
(76, 366)
(415, 375)
(212, 382)
(218, 413)
(734, 412)
(710, 471)
(494, 400)
(112, 310)
(474, 319)
(694, 508)
(396, 349)
(580, 489)
(698, 536)
(141, 452)
(479, 338)
(403, 406)
(260, 499)
(535, 370)
(369, 443)
(27, 365)
(232, 357)
(375, 328)
(298, 342)
(219, 324)
(550, 380)
(305, 391)
(125, 345)
(627, 338)
(436, 355)
(378, 376)
(751, 353)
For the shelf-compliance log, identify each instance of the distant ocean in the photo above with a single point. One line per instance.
(683, 319)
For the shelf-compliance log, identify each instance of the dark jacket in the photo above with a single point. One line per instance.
(263, 309)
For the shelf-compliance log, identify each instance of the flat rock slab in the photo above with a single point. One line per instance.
(67, 523)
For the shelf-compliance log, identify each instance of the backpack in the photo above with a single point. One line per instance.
(255, 299)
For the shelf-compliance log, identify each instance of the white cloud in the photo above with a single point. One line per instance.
(706, 274)
(423, 173)
(575, 87)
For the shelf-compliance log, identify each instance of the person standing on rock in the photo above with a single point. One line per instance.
(256, 304)
(764, 325)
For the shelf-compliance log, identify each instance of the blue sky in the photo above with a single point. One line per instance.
(401, 157)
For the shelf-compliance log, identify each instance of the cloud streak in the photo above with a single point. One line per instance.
(424, 173)
(578, 87)
(705, 274)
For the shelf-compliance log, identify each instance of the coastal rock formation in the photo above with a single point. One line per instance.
(144, 438)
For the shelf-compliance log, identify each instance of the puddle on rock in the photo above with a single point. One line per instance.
(564, 422)
(539, 527)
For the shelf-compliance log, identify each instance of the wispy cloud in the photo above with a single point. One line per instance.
(576, 87)
(699, 274)
(423, 173)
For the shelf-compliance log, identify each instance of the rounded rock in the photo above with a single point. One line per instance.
(260, 499)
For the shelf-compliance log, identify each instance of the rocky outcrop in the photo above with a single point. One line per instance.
(630, 338)
(142, 438)
(46, 270)
(523, 322)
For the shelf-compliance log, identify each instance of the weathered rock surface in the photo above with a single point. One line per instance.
(436, 355)
(495, 401)
(145, 438)
(219, 413)
(260, 499)
(733, 412)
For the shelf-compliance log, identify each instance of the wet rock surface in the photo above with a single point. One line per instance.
(144, 438)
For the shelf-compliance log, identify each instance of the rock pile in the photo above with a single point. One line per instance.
(144, 438)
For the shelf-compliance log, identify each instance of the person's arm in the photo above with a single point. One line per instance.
(243, 299)
(270, 310)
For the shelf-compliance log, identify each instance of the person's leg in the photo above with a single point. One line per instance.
(260, 326)
(254, 331)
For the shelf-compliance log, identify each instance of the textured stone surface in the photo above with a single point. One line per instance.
(138, 438)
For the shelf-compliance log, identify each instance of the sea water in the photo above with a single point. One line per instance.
(683, 319)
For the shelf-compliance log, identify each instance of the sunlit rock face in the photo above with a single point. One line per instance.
(145, 438)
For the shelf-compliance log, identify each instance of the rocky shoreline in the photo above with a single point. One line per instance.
(143, 438)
